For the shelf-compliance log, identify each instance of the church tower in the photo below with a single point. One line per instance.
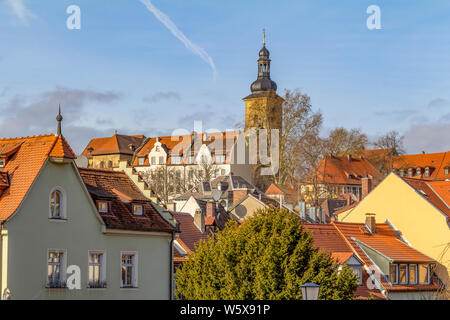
(263, 107)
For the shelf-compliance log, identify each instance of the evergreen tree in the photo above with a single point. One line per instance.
(267, 257)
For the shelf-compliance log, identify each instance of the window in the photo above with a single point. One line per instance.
(157, 148)
(110, 164)
(153, 160)
(176, 159)
(410, 172)
(129, 270)
(141, 161)
(2, 163)
(222, 172)
(403, 274)
(427, 172)
(56, 204)
(191, 159)
(402, 173)
(393, 273)
(96, 269)
(56, 269)
(446, 170)
(161, 160)
(102, 164)
(413, 273)
(418, 171)
(103, 207)
(424, 274)
(220, 158)
(357, 270)
(137, 209)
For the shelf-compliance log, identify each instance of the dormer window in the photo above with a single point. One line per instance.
(402, 173)
(2, 163)
(418, 171)
(409, 274)
(161, 160)
(427, 171)
(141, 161)
(446, 170)
(410, 172)
(102, 207)
(138, 210)
(157, 148)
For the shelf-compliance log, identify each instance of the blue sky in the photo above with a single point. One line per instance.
(124, 70)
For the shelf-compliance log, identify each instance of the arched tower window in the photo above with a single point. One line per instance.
(57, 203)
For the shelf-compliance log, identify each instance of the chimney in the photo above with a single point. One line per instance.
(210, 209)
(199, 220)
(238, 195)
(371, 222)
(366, 186)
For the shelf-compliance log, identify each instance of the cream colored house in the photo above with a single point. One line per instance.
(419, 208)
(62, 232)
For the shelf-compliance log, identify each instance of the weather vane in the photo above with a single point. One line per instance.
(264, 37)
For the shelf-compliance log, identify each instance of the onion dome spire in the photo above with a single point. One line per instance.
(263, 83)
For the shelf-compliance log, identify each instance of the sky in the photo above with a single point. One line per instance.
(153, 66)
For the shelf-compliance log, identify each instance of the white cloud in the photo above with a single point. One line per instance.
(165, 20)
(430, 137)
(20, 10)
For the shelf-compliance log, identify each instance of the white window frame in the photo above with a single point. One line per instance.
(102, 268)
(62, 268)
(63, 204)
(134, 276)
(142, 209)
(141, 161)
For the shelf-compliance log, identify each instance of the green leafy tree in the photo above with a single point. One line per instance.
(267, 257)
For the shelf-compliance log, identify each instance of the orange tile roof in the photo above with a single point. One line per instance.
(30, 154)
(62, 149)
(437, 162)
(384, 241)
(345, 170)
(341, 240)
(436, 192)
(181, 145)
(117, 144)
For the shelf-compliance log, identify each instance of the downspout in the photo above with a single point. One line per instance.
(171, 265)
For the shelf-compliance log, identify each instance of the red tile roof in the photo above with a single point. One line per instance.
(113, 187)
(25, 158)
(189, 233)
(437, 162)
(341, 239)
(345, 170)
(117, 144)
(436, 192)
(62, 149)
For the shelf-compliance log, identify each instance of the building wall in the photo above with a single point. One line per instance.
(423, 226)
(115, 158)
(31, 233)
(246, 208)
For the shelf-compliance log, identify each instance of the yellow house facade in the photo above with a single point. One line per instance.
(418, 209)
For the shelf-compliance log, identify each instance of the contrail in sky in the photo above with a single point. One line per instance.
(165, 20)
(20, 10)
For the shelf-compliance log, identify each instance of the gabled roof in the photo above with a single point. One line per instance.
(182, 145)
(436, 192)
(117, 144)
(437, 162)
(122, 193)
(345, 170)
(277, 189)
(25, 158)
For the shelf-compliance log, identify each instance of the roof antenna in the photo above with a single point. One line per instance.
(59, 118)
